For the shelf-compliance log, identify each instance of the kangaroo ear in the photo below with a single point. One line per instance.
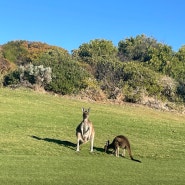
(82, 109)
(89, 109)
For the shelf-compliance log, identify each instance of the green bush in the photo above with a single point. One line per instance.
(68, 77)
(12, 78)
(136, 75)
(139, 81)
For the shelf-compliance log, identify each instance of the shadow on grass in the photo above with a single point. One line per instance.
(98, 149)
(67, 144)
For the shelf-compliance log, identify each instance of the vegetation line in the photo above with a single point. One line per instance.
(139, 70)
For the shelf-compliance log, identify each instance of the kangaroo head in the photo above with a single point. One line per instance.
(85, 113)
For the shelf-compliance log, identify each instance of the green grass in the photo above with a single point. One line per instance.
(38, 142)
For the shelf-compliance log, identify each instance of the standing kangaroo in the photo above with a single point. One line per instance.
(85, 131)
(120, 142)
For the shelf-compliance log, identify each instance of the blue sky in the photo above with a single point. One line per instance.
(70, 23)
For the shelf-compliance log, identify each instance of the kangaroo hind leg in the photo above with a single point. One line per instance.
(91, 142)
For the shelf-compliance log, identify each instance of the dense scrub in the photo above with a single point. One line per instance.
(138, 70)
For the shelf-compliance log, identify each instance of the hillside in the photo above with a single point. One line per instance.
(38, 142)
(139, 70)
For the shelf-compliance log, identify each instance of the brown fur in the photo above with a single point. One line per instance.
(85, 131)
(120, 142)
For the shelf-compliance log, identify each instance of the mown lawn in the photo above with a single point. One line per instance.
(37, 142)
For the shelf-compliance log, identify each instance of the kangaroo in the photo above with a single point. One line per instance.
(120, 142)
(85, 131)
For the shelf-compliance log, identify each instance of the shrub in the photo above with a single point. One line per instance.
(140, 78)
(29, 74)
(41, 75)
(168, 87)
(133, 95)
(12, 78)
(68, 77)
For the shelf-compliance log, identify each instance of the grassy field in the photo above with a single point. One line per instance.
(38, 142)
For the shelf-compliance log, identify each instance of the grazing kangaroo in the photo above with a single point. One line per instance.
(120, 142)
(85, 131)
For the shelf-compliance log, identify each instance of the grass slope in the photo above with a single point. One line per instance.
(37, 142)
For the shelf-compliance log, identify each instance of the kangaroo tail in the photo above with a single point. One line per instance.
(129, 151)
(136, 160)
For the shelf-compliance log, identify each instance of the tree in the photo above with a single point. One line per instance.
(181, 54)
(15, 51)
(136, 48)
(160, 58)
(95, 50)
